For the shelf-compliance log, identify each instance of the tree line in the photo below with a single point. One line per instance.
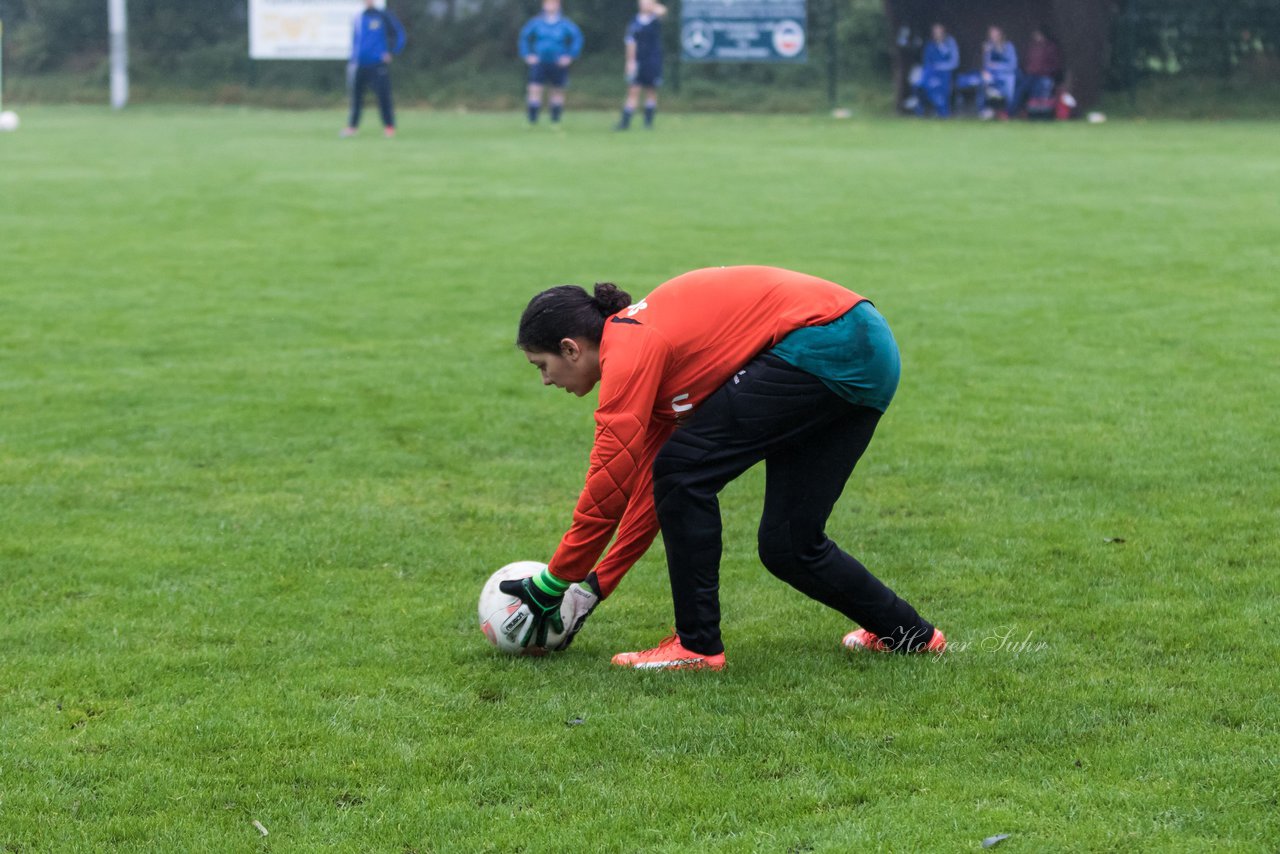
(208, 41)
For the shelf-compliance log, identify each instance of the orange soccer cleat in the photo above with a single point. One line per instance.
(670, 654)
(863, 639)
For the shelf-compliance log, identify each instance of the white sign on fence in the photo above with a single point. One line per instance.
(302, 29)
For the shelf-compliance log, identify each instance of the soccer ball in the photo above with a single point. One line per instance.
(504, 618)
(8, 120)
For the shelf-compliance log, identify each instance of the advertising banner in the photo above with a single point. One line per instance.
(743, 31)
(302, 29)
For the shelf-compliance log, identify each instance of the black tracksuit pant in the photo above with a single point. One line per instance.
(379, 77)
(810, 439)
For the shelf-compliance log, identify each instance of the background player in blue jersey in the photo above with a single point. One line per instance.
(999, 74)
(371, 52)
(549, 43)
(644, 62)
(941, 57)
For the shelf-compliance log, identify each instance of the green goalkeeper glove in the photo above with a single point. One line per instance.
(543, 593)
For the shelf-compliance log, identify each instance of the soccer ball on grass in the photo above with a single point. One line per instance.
(8, 120)
(504, 619)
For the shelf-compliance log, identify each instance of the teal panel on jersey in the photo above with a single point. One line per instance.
(855, 355)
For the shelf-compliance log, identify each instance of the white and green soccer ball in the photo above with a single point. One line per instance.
(8, 121)
(504, 619)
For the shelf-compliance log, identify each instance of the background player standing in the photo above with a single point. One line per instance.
(549, 43)
(644, 62)
(713, 372)
(371, 53)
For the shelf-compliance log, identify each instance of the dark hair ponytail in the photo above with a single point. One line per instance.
(568, 311)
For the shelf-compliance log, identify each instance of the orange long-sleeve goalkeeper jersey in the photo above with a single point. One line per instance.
(659, 359)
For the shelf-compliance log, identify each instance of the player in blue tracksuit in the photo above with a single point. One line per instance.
(371, 52)
(999, 72)
(549, 43)
(941, 58)
(644, 62)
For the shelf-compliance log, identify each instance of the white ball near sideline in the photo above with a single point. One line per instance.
(504, 619)
(8, 120)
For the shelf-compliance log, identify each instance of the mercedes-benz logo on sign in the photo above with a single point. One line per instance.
(697, 39)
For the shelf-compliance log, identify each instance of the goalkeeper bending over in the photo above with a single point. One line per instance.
(713, 372)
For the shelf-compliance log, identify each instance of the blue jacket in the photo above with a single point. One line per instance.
(1000, 63)
(550, 38)
(369, 37)
(941, 57)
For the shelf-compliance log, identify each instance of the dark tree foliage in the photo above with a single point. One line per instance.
(207, 41)
(1222, 38)
(42, 35)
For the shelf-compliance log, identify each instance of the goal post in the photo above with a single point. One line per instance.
(118, 30)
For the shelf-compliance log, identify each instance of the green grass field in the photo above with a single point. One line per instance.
(263, 434)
